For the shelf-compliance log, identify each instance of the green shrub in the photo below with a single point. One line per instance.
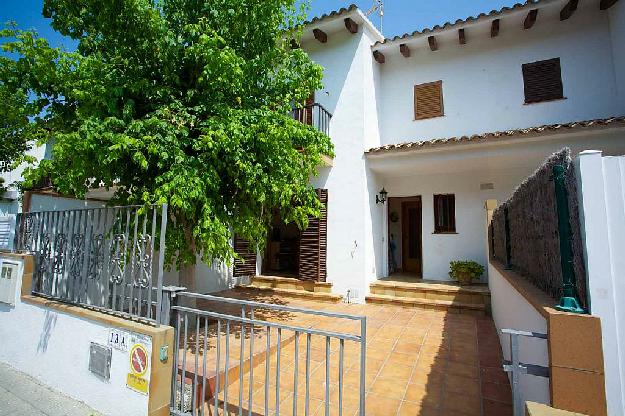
(465, 270)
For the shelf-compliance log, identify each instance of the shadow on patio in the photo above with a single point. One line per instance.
(419, 362)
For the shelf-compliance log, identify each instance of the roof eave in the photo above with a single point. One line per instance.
(577, 127)
(465, 23)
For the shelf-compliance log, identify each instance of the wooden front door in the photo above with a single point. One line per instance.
(411, 237)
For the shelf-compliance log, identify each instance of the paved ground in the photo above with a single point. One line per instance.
(23, 395)
(418, 363)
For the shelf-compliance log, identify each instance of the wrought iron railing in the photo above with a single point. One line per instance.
(229, 345)
(104, 258)
(314, 115)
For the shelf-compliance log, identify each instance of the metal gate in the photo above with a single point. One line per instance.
(239, 357)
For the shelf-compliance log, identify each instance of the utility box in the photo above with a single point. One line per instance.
(9, 273)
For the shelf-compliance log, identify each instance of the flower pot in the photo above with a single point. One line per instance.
(464, 278)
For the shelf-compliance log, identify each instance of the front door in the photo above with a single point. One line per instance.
(411, 237)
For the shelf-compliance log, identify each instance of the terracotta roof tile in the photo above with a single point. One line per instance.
(470, 19)
(483, 137)
(331, 14)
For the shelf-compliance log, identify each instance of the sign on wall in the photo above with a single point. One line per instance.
(118, 339)
(139, 357)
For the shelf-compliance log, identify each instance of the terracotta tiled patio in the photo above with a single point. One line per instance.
(419, 362)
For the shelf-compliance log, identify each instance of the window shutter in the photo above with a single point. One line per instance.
(313, 244)
(246, 266)
(428, 100)
(542, 81)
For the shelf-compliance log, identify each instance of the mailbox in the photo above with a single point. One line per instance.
(9, 273)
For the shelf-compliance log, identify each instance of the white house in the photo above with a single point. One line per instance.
(446, 118)
(443, 119)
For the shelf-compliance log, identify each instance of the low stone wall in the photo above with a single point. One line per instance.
(52, 341)
(574, 345)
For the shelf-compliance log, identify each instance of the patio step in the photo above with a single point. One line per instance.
(432, 304)
(433, 290)
(297, 293)
(290, 283)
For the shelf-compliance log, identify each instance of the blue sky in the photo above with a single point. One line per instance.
(400, 15)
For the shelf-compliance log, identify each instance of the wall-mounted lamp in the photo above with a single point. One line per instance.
(381, 198)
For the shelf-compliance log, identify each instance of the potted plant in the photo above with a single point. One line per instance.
(465, 271)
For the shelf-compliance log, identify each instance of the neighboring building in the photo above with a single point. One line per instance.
(443, 119)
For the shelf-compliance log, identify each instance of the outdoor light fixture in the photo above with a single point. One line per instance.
(380, 199)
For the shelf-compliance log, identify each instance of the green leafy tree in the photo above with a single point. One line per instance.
(179, 101)
(17, 133)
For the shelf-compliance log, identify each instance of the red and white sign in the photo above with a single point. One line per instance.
(139, 360)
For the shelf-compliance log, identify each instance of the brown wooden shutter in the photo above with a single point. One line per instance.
(542, 81)
(248, 254)
(313, 244)
(428, 100)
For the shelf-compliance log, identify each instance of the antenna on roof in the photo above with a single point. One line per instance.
(378, 6)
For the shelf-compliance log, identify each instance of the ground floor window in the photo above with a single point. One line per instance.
(445, 213)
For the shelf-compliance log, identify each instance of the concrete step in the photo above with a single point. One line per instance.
(431, 304)
(291, 283)
(318, 296)
(433, 290)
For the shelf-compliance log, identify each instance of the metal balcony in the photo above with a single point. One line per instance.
(314, 115)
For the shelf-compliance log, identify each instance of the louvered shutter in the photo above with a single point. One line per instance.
(313, 244)
(7, 232)
(428, 100)
(542, 81)
(248, 266)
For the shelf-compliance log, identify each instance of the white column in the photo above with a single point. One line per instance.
(598, 257)
(489, 207)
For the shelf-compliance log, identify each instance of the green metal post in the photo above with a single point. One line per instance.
(568, 301)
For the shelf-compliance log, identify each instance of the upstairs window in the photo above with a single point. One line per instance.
(428, 100)
(542, 81)
(445, 213)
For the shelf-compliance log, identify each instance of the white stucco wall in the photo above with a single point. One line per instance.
(53, 347)
(470, 240)
(350, 95)
(483, 83)
(601, 191)
(53, 203)
(13, 205)
(510, 310)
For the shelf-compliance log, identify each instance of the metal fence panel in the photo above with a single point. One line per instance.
(215, 360)
(105, 258)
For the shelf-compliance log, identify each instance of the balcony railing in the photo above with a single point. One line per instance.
(314, 115)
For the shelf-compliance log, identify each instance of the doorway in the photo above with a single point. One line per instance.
(281, 257)
(405, 237)
(411, 237)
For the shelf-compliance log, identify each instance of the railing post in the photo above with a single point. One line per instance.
(168, 300)
(569, 301)
(363, 365)
(161, 261)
